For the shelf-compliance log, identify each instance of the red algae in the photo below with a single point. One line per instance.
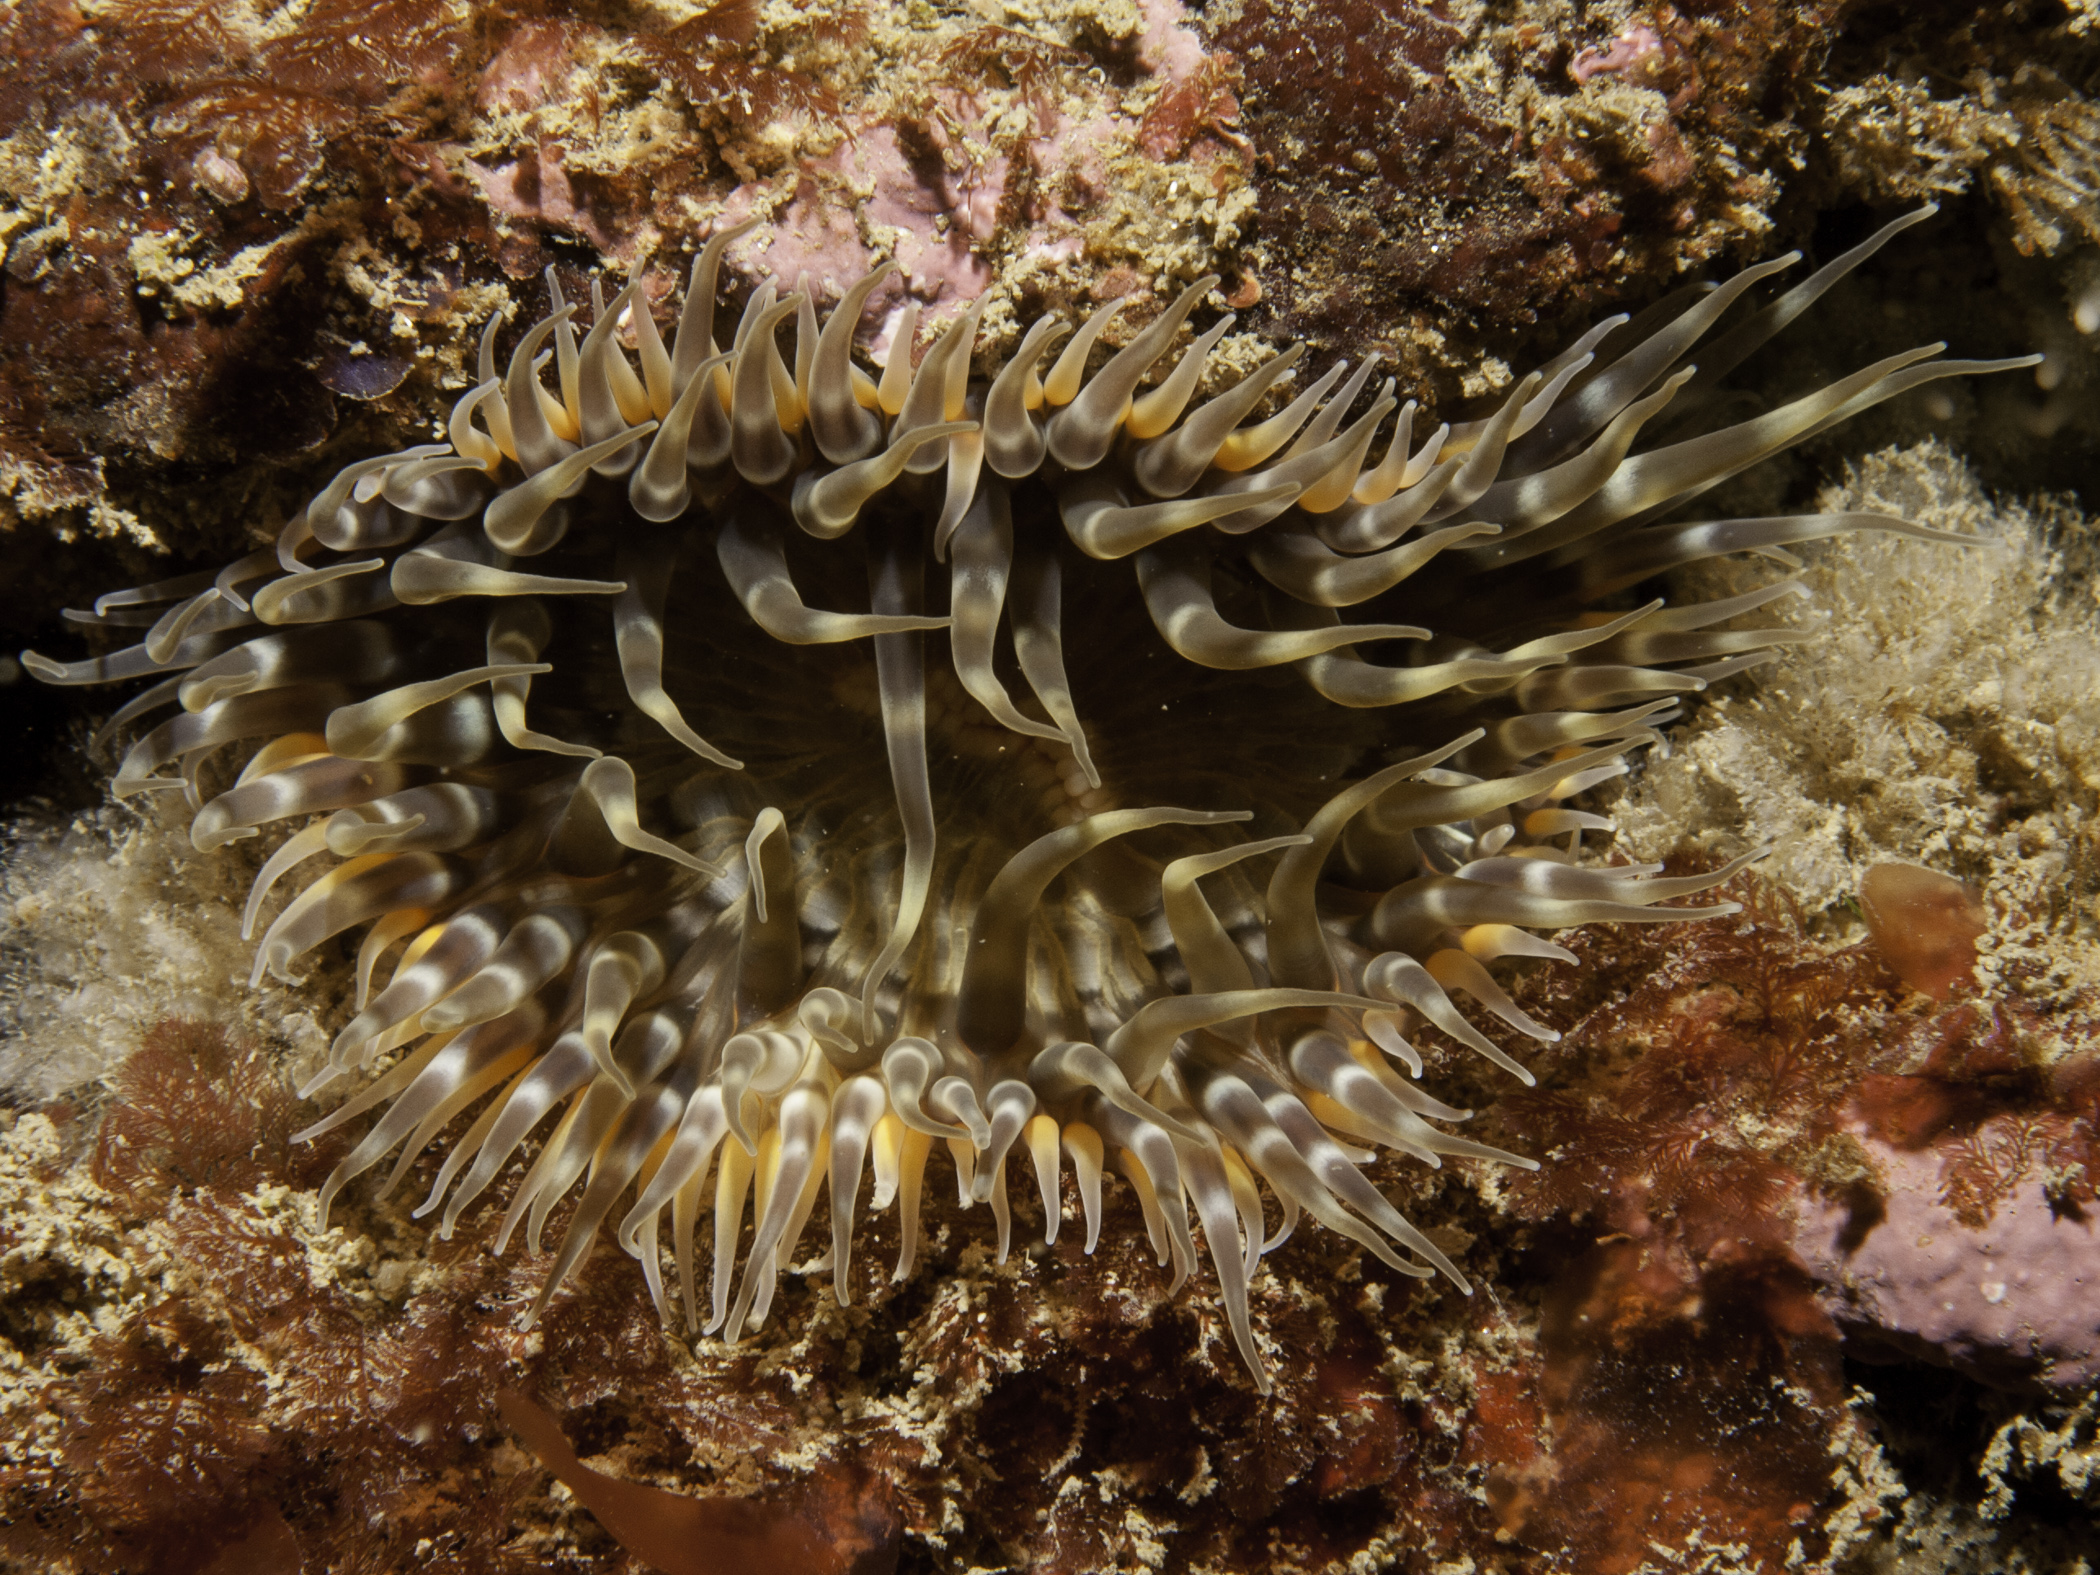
(1682, 1410)
(1785, 1160)
(680, 1535)
(278, 1395)
(1925, 925)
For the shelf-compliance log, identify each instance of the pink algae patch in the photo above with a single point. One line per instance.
(1924, 924)
(1634, 47)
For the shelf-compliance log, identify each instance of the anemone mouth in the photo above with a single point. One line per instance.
(762, 771)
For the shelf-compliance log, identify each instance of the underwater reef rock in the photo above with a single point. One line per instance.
(231, 251)
(1427, 171)
(1949, 717)
(1998, 100)
(1937, 97)
(1970, 1262)
(1763, 1106)
(1787, 1158)
(237, 236)
(105, 930)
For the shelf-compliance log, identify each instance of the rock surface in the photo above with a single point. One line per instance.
(243, 240)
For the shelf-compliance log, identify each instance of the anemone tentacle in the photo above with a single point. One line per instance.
(660, 728)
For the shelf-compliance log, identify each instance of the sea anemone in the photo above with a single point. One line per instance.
(749, 896)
